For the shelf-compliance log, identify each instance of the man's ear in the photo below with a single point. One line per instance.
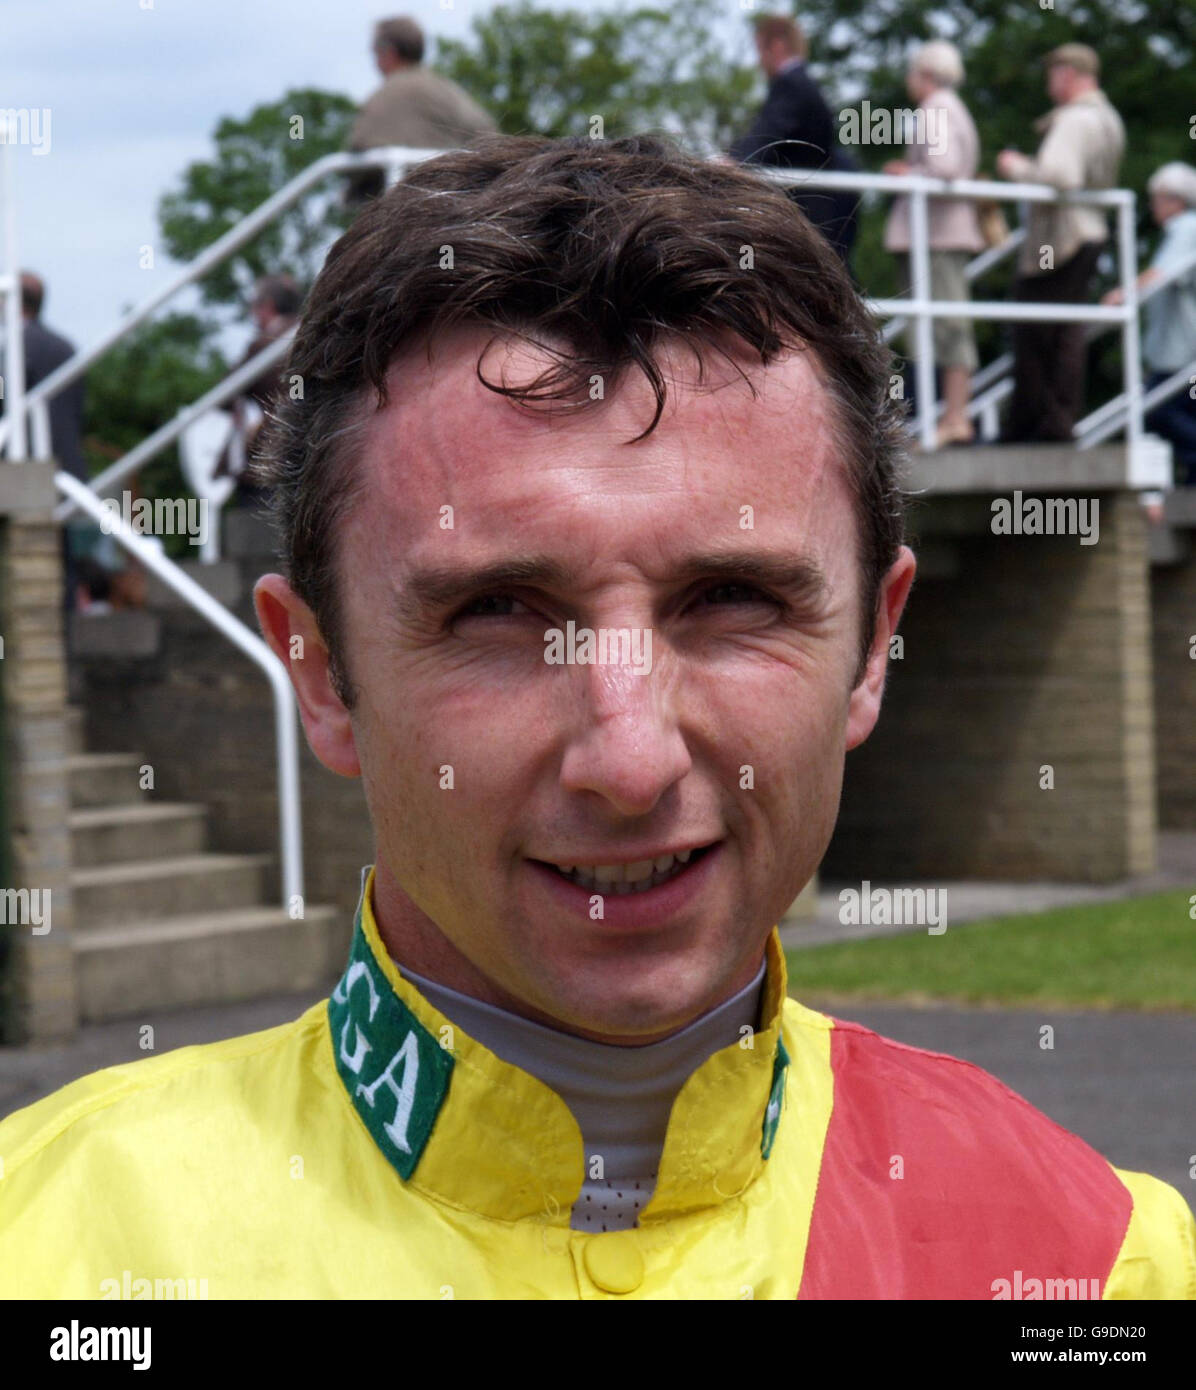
(864, 706)
(290, 628)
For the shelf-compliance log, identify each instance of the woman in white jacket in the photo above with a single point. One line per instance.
(946, 146)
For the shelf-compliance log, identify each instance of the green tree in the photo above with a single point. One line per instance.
(551, 72)
(255, 156)
(140, 385)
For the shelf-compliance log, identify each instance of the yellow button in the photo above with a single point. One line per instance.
(613, 1261)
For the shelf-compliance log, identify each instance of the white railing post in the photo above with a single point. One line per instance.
(14, 340)
(923, 324)
(1130, 336)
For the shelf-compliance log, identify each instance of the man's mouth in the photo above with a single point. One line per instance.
(625, 880)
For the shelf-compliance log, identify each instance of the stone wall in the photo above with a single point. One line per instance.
(38, 999)
(1019, 652)
(1173, 601)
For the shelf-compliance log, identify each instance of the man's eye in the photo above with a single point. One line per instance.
(489, 606)
(738, 593)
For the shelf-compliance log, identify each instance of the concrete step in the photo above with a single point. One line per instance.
(111, 895)
(117, 834)
(104, 779)
(221, 579)
(206, 958)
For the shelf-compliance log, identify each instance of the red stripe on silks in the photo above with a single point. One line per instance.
(991, 1186)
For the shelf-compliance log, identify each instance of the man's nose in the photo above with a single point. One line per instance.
(628, 748)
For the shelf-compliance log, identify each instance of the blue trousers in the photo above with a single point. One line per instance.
(1175, 420)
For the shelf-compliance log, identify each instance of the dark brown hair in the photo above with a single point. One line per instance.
(608, 246)
(403, 35)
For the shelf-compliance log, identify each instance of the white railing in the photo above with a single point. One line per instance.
(923, 309)
(920, 306)
(10, 292)
(290, 827)
(992, 384)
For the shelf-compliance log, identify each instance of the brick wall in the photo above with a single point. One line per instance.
(1173, 595)
(38, 983)
(1020, 651)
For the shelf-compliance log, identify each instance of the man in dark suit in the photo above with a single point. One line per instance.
(45, 352)
(795, 130)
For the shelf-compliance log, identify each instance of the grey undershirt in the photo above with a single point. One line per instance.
(620, 1096)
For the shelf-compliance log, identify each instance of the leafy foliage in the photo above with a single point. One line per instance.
(550, 72)
(255, 157)
(141, 384)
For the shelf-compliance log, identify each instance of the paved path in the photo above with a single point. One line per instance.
(1125, 1082)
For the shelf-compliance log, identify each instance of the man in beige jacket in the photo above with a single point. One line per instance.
(414, 106)
(1083, 142)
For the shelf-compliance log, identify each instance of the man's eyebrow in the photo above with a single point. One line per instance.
(799, 576)
(440, 586)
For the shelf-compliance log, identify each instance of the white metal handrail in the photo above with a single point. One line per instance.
(974, 269)
(285, 722)
(920, 188)
(1171, 386)
(10, 290)
(391, 158)
(232, 385)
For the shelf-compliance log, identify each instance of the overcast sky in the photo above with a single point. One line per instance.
(133, 95)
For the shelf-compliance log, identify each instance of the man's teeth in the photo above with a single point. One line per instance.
(627, 878)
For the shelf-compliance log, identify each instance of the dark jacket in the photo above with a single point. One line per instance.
(45, 352)
(795, 130)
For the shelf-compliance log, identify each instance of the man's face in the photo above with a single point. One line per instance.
(1059, 82)
(484, 765)
(771, 55)
(1164, 206)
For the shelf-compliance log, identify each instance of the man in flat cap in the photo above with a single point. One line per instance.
(1083, 141)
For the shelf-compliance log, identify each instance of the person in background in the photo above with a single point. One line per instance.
(275, 310)
(946, 146)
(45, 352)
(414, 106)
(1083, 142)
(1169, 339)
(795, 130)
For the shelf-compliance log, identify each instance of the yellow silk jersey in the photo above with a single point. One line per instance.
(370, 1149)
